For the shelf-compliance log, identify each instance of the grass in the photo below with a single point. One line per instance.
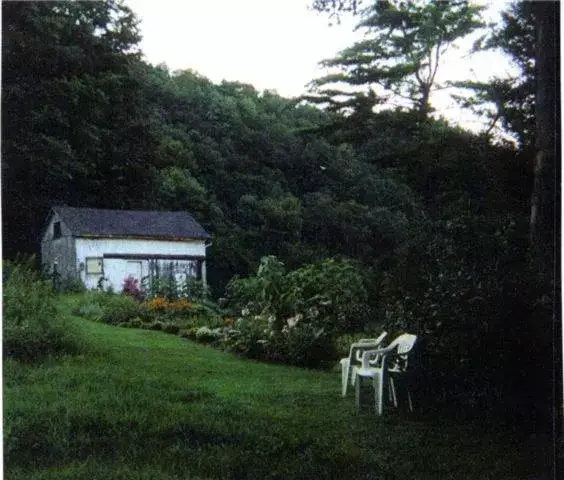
(141, 404)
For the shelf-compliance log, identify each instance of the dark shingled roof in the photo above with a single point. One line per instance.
(126, 223)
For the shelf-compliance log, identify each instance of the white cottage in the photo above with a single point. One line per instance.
(92, 244)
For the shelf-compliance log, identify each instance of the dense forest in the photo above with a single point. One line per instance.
(436, 217)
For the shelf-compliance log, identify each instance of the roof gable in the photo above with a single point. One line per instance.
(128, 223)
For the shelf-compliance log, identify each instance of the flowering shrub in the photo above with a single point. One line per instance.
(132, 289)
(207, 335)
(227, 322)
(298, 343)
(162, 304)
(157, 304)
(302, 344)
(294, 317)
(331, 295)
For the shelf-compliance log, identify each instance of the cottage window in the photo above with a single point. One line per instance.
(94, 265)
(57, 230)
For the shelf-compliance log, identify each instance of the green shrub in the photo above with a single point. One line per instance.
(93, 311)
(190, 288)
(189, 333)
(69, 284)
(32, 327)
(303, 345)
(171, 328)
(207, 335)
(120, 309)
(249, 337)
(193, 289)
(464, 289)
(293, 317)
(331, 295)
(134, 323)
(110, 308)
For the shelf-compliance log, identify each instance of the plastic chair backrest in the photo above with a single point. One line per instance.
(404, 343)
(365, 343)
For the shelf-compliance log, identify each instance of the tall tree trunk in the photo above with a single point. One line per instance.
(545, 202)
(545, 370)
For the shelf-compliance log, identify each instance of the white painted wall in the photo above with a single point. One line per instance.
(116, 270)
(96, 247)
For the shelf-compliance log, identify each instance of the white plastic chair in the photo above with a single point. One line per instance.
(385, 363)
(355, 358)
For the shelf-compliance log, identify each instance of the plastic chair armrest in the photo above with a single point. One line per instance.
(380, 352)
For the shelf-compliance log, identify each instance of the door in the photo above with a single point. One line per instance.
(133, 268)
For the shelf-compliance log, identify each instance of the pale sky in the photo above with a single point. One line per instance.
(276, 44)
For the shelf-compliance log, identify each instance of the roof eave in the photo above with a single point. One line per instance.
(142, 237)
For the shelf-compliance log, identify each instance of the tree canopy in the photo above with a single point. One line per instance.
(509, 101)
(398, 59)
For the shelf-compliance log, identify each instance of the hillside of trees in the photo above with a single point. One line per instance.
(437, 217)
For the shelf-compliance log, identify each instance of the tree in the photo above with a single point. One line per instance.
(402, 49)
(512, 99)
(75, 123)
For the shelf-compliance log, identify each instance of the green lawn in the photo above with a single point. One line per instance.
(148, 405)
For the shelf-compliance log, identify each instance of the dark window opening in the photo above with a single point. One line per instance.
(174, 269)
(57, 230)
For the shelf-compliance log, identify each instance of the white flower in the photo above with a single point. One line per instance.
(293, 321)
(245, 312)
(313, 312)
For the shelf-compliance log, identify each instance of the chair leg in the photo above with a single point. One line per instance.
(410, 401)
(378, 392)
(393, 392)
(357, 393)
(345, 374)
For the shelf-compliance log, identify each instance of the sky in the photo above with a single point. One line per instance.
(278, 44)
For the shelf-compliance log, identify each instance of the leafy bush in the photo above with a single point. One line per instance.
(110, 308)
(132, 288)
(71, 285)
(303, 345)
(293, 317)
(207, 335)
(171, 328)
(135, 323)
(458, 290)
(249, 338)
(189, 333)
(193, 289)
(120, 309)
(190, 289)
(155, 326)
(93, 311)
(32, 327)
(331, 295)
